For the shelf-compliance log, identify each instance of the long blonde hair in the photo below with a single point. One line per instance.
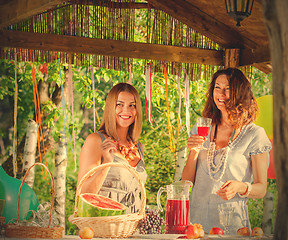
(108, 125)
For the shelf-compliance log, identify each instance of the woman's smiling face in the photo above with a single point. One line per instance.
(221, 92)
(125, 110)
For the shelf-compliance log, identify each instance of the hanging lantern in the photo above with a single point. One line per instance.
(239, 9)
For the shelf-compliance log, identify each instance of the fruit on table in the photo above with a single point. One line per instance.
(244, 231)
(192, 231)
(86, 233)
(216, 230)
(257, 231)
(201, 233)
(93, 205)
(200, 229)
(152, 222)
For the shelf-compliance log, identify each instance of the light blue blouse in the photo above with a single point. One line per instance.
(204, 201)
(121, 186)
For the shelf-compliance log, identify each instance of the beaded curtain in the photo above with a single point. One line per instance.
(115, 20)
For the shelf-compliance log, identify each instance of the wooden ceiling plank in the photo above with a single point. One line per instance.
(259, 55)
(14, 11)
(203, 23)
(264, 67)
(117, 48)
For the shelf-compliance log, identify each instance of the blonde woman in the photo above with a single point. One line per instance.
(116, 141)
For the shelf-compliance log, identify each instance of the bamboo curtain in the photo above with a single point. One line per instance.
(115, 20)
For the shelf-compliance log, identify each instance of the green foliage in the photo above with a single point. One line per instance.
(255, 207)
(24, 97)
(261, 83)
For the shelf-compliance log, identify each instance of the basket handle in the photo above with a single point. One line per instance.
(53, 192)
(104, 165)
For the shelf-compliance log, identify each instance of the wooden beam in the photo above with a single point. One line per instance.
(264, 67)
(14, 11)
(117, 48)
(259, 55)
(203, 23)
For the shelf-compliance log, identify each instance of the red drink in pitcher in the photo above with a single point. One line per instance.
(177, 216)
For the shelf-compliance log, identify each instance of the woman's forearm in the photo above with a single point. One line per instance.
(95, 182)
(258, 190)
(189, 169)
(259, 166)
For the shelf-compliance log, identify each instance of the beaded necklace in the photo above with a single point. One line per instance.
(130, 153)
(215, 168)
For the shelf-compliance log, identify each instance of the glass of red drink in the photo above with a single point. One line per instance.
(177, 215)
(203, 126)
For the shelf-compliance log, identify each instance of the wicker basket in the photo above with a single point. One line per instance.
(120, 226)
(20, 231)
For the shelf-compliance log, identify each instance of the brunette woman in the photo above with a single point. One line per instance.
(117, 140)
(230, 165)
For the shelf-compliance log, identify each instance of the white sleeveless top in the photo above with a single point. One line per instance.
(121, 186)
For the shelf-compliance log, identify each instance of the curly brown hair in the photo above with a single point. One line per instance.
(241, 107)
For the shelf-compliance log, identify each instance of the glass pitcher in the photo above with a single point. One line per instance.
(177, 215)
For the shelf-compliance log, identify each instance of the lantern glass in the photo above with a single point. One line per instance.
(239, 9)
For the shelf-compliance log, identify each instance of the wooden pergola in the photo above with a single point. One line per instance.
(260, 40)
(241, 46)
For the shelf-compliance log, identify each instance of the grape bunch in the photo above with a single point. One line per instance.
(152, 223)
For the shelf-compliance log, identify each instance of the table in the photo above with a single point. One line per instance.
(160, 237)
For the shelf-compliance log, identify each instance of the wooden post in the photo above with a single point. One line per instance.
(231, 58)
(276, 18)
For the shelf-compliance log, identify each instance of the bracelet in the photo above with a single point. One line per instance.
(249, 188)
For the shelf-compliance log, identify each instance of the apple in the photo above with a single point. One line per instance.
(192, 231)
(257, 231)
(217, 231)
(86, 233)
(244, 231)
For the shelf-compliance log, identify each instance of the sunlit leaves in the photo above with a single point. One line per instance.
(53, 113)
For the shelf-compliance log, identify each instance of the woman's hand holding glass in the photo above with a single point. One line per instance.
(195, 142)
